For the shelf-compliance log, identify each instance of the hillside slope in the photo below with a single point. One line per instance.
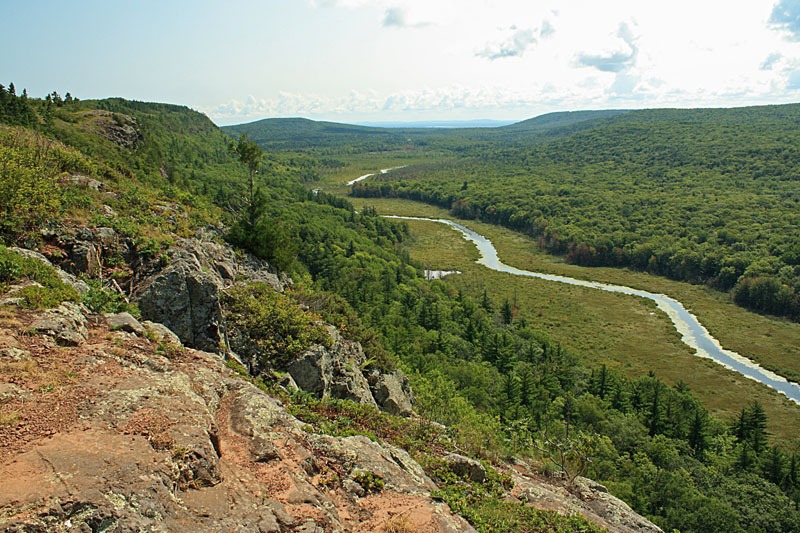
(92, 190)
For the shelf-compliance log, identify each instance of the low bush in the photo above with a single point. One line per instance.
(276, 329)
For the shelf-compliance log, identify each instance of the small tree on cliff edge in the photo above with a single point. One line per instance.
(250, 155)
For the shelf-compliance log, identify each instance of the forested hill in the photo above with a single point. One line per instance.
(303, 134)
(702, 195)
(294, 133)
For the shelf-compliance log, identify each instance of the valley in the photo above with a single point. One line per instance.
(268, 269)
(620, 331)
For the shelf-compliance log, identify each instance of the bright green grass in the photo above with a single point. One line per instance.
(622, 331)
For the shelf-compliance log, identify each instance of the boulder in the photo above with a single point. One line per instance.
(183, 292)
(392, 392)
(610, 508)
(184, 297)
(333, 372)
(161, 333)
(465, 467)
(84, 182)
(84, 259)
(124, 322)
(66, 324)
(106, 237)
(397, 470)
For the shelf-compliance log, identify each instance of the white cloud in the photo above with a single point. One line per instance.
(515, 45)
(786, 17)
(770, 62)
(619, 60)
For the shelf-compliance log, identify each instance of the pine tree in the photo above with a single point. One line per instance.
(528, 385)
(757, 426)
(507, 313)
(486, 303)
(655, 410)
(250, 155)
(511, 396)
(620, 401)
(773, 465)
(745, 459)
(602, 382)
(740, 430)
(697, 434)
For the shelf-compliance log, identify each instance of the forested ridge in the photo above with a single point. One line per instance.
(500, 384)
(704, 196)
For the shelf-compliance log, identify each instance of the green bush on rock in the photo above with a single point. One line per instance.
(276, 327)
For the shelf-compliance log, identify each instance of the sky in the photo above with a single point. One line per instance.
(406, 60)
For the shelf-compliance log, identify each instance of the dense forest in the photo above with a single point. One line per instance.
(704, 196)
(503, 386)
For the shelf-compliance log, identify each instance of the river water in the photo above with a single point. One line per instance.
(693, 333)
(365, 176)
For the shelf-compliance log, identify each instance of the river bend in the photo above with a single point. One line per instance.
(693, 333)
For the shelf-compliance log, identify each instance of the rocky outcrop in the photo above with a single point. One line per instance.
(334, 371)
(122, 130)
(124, 322)
(465, 467)
(184, 292)
(126, 437)
(66, 324)
(392, 392)
(583, 496)
(185, 297)
(66, 277)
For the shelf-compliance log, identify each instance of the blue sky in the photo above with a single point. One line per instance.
(404, 60)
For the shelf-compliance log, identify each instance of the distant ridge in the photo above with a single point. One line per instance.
(482, 123)
(563, 118)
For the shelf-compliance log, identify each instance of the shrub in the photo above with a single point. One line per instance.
(275, 328)
(102, 300)
(53, 291)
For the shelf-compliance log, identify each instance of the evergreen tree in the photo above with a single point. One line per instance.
(697, 434)
(486, 303)
(602, 382)
(655, 422)
(511, 396)
(773, 465)
(250, 155)
(506, 312)
(757, 426)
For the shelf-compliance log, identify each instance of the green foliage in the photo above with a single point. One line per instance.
(29, 196)
(100, 299)
(337, 311)
(249, 155)
(15, 109)
(53, 291)
(485, 506)
(277, 329)
(369, 482)
(264, 236)
(499, 384)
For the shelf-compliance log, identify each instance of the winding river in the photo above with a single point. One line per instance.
(693, 334)
(365, 176)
